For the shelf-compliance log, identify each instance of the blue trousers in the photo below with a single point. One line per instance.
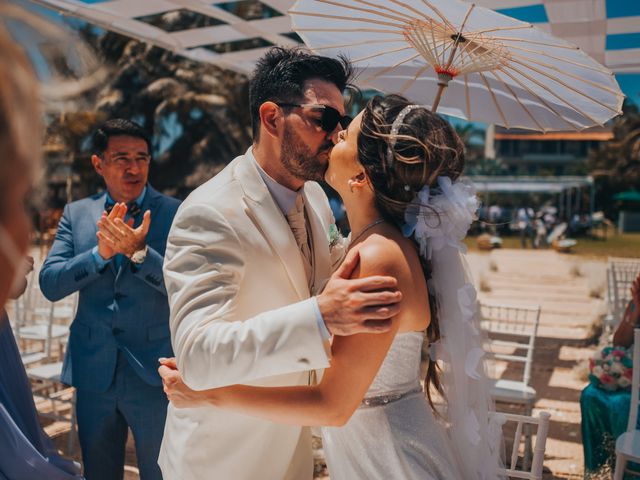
(104, 418)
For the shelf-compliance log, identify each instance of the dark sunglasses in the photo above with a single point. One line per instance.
(330, 116)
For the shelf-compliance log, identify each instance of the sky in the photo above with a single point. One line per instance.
(630, 86)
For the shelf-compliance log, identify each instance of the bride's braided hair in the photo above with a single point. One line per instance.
(423, 148)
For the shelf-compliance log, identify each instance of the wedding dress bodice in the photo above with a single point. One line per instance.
(400, 371)
(393, 434)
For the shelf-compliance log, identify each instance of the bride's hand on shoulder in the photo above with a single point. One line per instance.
(178, 393)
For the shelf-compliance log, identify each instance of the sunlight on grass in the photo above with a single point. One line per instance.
(618, 245)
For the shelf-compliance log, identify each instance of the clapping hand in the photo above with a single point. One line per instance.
(117, 236)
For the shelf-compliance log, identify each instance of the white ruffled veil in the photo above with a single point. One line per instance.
(439, 220)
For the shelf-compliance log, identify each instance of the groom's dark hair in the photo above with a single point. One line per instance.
(280, 74)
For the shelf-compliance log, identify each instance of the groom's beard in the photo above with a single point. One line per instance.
(298, 158)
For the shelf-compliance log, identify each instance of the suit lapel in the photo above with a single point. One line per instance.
(149, 203)
(263, 211)
(319, 235)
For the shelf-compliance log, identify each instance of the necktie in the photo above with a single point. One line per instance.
(133, 209)
(298, 226)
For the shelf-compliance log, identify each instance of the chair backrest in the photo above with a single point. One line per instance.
(635, 382)
(623, 271)
(517, 328)
(610, 287)
(21, 305)
(511, 463)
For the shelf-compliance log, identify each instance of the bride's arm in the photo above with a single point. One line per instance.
(356, 360)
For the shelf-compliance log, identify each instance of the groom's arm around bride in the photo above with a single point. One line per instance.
(205, 273)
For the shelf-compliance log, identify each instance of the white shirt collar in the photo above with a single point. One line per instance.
(284, 197)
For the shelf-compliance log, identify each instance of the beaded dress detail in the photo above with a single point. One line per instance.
(394, 433)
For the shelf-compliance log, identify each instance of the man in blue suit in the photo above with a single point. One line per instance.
(110, 248)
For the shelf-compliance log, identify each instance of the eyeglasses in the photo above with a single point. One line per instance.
(127, 162)
(330, 116)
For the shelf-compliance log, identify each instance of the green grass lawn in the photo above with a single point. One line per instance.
(615, 245)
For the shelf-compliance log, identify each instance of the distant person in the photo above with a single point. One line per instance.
(540, 239)
(122, 323)
(524, 219)
(495, 216)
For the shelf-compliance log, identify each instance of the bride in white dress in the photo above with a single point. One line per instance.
(396, 168)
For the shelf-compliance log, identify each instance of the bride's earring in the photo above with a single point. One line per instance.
(358, 180)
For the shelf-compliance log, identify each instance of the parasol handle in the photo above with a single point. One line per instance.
(443, 82)
(436, 101)
(446, 74)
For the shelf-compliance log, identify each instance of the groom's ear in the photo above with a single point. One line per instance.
(270, 116)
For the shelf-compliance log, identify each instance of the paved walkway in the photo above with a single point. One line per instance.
(565, 287)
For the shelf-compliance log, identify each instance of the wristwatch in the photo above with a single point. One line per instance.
(138, 256)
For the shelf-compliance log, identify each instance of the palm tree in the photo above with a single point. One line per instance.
(619, 159)
(198, 114)
(616, 165)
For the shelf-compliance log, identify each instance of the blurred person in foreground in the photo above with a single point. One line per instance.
(605, 413)
(110, 248)
(25, 451)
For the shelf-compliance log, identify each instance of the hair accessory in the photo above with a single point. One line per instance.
(395, 127)
(407, 188)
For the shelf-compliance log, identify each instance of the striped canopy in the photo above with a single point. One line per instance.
(607, 30)
(234, 34)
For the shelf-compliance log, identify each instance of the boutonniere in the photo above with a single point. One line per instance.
(335, 237)
(337, 246)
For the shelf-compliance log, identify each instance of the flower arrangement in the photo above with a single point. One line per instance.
(611, 368)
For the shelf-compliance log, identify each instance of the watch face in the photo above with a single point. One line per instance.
(139, 256)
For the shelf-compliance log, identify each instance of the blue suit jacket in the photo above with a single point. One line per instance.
(122, 308)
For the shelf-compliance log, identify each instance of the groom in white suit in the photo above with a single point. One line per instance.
(246, 254)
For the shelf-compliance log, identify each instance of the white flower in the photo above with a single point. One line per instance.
(624, 382)
(338, 246)
(597, 371)
(617, 368)
(442, 219)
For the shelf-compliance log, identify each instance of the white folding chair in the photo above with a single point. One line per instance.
(621, 273)
(512, 333)
(61, 399)
(48, 322)
(609, 320)
(523, 423)
(628, 444)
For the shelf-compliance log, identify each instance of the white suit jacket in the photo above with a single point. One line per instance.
(241, 313)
